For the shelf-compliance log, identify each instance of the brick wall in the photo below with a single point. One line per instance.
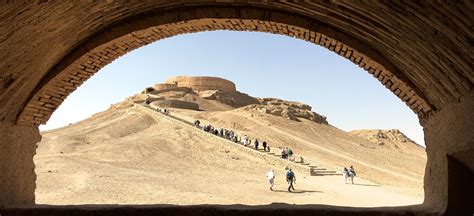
(49, 97)
(203, 83)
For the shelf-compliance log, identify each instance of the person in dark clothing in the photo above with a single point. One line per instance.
(290, 178)
(256, 144)
(197, 123)
(352, 174)
(264, 144)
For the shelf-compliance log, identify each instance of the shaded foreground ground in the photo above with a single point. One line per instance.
(124, 156)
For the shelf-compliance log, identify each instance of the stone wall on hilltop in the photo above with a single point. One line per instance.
(200, 83)
(164, 86)
(175, 104)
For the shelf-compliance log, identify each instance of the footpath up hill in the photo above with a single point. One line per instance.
(291, 124)
(128, 156)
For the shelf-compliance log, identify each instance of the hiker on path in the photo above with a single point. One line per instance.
(246, 140)
(352, 174)
(256, 144)
(235, 139)
(283, 153)
(197, 123)
(290, 154)
(271, 178)
(290, 178)
(345, 174)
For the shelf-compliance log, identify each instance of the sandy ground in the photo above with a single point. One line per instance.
(124, 156)
(324, 144)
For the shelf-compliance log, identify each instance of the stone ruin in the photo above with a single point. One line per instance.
(199, 83)
(287, 109)
(180, 87)
(175, 104)
(176, 92)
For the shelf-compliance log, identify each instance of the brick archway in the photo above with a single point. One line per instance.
(421, 51)
(90, 56)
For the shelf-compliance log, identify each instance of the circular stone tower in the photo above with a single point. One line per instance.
(200, 83)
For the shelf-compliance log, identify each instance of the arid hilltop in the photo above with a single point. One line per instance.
(217, 94)
(132, 154)
(392, 138)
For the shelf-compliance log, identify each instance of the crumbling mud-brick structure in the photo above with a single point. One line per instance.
(200, 83)
(422, 51)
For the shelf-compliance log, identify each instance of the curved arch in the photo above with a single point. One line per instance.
(129, 34)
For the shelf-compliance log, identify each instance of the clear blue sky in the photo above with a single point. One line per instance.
(260, 64)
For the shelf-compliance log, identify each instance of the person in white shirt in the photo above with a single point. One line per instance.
(271, 178)
(246, 140)
(345, 174)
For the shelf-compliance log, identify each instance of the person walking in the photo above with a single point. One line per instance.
(271, 178)
(246, 140)
(345, 174)
(256, 144)
(291, 179)
(290, 154)
(283, 153)
(264, 144)
(352, 174)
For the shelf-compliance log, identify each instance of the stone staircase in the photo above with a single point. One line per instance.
(308, 167)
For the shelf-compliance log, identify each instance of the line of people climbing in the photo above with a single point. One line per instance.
(285, 153)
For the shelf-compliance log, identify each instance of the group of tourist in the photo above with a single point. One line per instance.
(289, 176)
(222, 132)
(287, 153)
(348, 174)
(231, 135)
(256, 143)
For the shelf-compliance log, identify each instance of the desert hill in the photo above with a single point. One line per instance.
(131, 156)
(392, 138)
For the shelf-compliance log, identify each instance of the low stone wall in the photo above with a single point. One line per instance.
(234, 99)
(182, 89)
(163, 86)
(175, 104)
(201, 83)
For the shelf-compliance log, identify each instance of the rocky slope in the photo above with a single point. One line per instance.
(393, 139)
